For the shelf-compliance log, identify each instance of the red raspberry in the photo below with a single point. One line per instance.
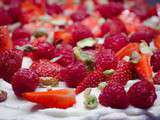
(66, 55)
(91, 80)
(113, 26)
(114, 95)
(79, 15)
(54, 9)
(10, 62)
(24, 80)
(116, 0)
(142, 94)
(105, 59)
(73, 74)
(5, 18)
(116, 42)
(46, 68)
(155, 61)
(123, 73)
(44, 50)
(20, 34)
(156, 78)
(110, 10)
(80, 32)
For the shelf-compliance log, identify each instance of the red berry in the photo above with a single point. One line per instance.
(66, 55)
(156, 78)
(79, 15)
(105, 59)
(114, 95)
(91, 80)
(80, 32)
(54, 9)
(123, 73)
(46, 68)
(5, 18)
(20, 34)
(44, 50)
(110, 10)
(73, 74)
(113, 26)
(10, 62)
(142, 94)
(116, 42)
(24, 80)
(155, 61)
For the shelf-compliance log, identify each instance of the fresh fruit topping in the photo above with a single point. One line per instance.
(156, 78)
(127, 50)
(48, 81)
(143, 68)
(46, 68)
(142, 94)
(54, 8)
(122, 73)
(62, 98)
(114, 95)
(73, 74)
(24, 80)
(157, 42)
(90, 101)
(79, 15)
(91, 80)
(80, 32)
(44, 50)
(155, 60)
(88, 42)
(105, 59)
(10, 62)
(67, 54)
(5, 41)
(114, 8)
(5, 17)
(3, 95)
(116, 42)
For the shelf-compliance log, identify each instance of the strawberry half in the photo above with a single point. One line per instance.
(62, 98)
(5, 41)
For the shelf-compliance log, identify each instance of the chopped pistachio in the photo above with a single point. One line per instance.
(48, 81)
(88, 42)
(91, 102)
(135, 57)
(109, 72)
(102, 85)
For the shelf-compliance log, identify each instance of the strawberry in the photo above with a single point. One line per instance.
(123, 73)
(70, 76)
(127, 50)
(10, 62)
(91, 80)
(63, 98)
(46, 68)
(116, 42)
(5, 41)
(79, 15)
(157, 41)
(143, 68)
(105, 59)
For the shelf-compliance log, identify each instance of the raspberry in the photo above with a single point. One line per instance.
(73, 74)
(105, 59)
(54, 9)
(24, 80)
(110, 10)
(142, 94)
(114, 95)
(44, 50)
(65, 52)
(155, 61)
(5, 18)
(123, 73)
(79, 16)
(80, 32)
(116, 42)
(10, 62)
(46, 68)
(20, 34)
(156, 78)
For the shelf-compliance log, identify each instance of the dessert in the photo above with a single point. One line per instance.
(86, 60)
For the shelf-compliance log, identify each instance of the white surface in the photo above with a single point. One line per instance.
(15, 109)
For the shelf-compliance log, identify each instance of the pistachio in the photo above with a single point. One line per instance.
(102, 85)
(48, 81)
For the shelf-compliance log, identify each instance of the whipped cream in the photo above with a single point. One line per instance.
(18, 109)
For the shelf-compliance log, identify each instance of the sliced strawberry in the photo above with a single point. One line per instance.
(157, 42)
(143, 68)
(5, 41)
(127, 50)
(62, 98)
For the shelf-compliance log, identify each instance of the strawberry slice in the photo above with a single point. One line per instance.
(143, 68)
(5, 41)
(62, 98)
(127, 50)
(157, 42)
